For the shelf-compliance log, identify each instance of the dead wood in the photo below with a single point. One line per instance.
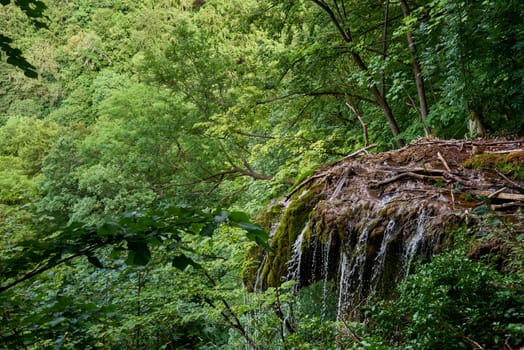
(513, 183)
(340, 184)
(406, 174)
(443, 162)
(325, 173)
(504, 196)
(497, 192)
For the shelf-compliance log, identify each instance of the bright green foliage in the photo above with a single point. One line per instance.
(28, 139)
(226, 103)
(34, 9)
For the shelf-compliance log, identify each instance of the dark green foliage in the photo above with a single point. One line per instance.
(452, 303)
(227, 103)
(138, 230)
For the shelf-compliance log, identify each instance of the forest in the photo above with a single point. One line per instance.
(226, 174)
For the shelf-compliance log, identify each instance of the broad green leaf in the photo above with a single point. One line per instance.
(208, 230)
(108, 228)
(139, 253)
(95, 261)
(181, 261)
(238, 216)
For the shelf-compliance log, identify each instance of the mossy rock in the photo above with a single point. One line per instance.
(511, 164)
(293, 221)
(252, 261)
(270, 216)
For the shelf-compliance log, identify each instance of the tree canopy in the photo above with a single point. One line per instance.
(140, 141)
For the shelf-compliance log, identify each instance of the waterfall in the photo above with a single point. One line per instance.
(352, 275)
(412, 247)
(378, 265)
(259, 280)
(294, 264)
(317, 249)
(343, 283)
(326, 251)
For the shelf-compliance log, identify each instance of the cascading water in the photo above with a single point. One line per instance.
(380, 259)
(294, 264)
(368, 220)
(412, 247)
(326, 251)
(343, 285)
(259, 281)
(352, 275)
(317, 250)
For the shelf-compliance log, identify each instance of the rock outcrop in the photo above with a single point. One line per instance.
(362, 221)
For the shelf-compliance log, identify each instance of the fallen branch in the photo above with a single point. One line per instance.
(506, 205)
(505, 151)
(304, 183)
(407, 174)
(357, 153)
(497, 192)
(325, 173)
(509, 180)
(340, 184)
(443, 162)
(418, 170)
(504, 196)
(452, 175)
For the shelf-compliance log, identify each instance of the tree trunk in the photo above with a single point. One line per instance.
(417, 71)
(381, 99)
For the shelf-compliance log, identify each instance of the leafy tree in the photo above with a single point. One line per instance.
(34, 9)
(452, 303)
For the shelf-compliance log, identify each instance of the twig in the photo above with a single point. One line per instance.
(452, 199)
(474, 343)
(509, 180)
(406, 174)
(352, 107)
(506, 205)
(304, 183)
(497, 192)
(340, 183)
(357, 153)
(325, 173)
(443, 162)
(450, 173)
(421, 117)
(505, 196)
(423, 171)
(505, 151)
(47, 266)
(236, 324)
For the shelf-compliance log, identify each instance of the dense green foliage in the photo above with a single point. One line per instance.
(156, 108)
(452, 303)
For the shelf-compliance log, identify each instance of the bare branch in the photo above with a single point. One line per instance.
(353, 108)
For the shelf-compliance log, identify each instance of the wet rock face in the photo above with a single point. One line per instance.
(363, 221)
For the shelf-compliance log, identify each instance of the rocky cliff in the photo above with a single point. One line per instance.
(362, 222)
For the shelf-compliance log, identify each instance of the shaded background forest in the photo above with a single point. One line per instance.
(215, 104)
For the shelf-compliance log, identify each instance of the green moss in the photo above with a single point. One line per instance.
(270, 215)
(292, 223)
(511, 164)
(252, 261)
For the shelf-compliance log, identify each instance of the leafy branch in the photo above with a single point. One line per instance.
(134, 230)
